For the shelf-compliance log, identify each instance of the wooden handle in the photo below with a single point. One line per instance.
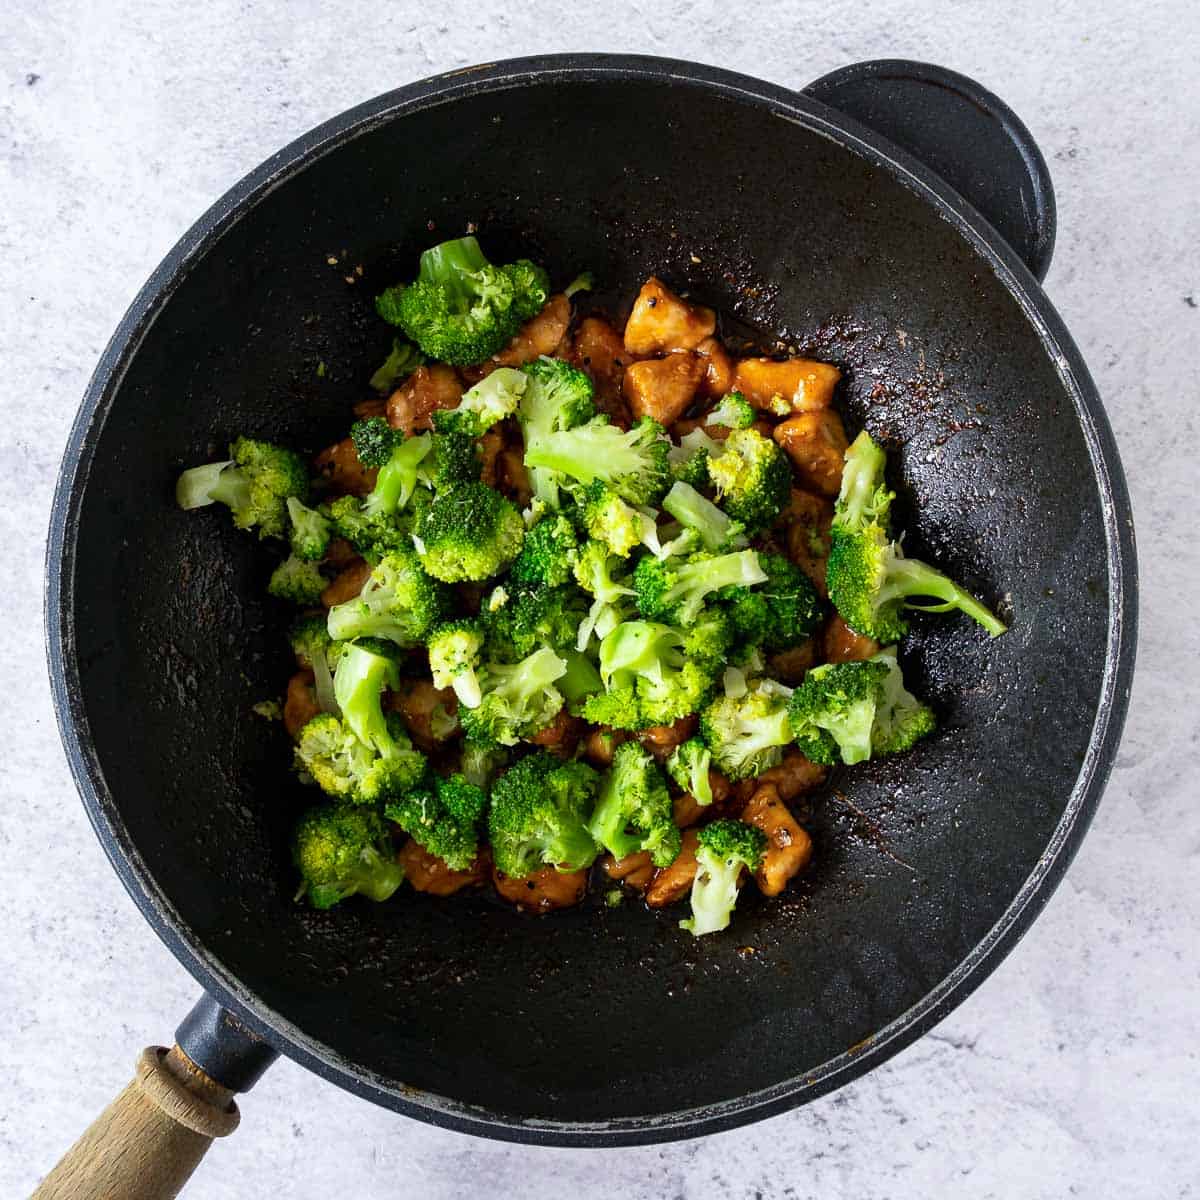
(148, 1141)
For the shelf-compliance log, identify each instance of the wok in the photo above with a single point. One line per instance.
(894, 218)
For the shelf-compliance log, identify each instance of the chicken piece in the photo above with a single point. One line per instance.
(430, 874)
(842, 644)
(661, 321)
(789, 848)
(687, 810)
(816, 443)
(807, 519)
(663, 388)
(513, 477)
(418, 702)
(674, 882)
(339, 465)
(561, 736)
(543, 891)
(339, 553)
(636, 870)
(599, 745)
(599, 351)
(364, 410)
(791, 386)
(346, 585)
(539, 335)
(491, 446)
(718, 369)
(794, 776)
(660, 740)
(412, 405)
(789, 666)
(300, 705)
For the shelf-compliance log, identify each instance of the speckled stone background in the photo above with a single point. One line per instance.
(1074, 1070)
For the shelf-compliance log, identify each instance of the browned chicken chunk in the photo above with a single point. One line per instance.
(718, 368)
(807, 519)
(789, 848)
(340, 553)
(561, 736)
(375, 407)
(300, 705)
(430, 874)
(340, 466)
(544, 890)
(430, 714)
(346, 585)
(794, 776)
(687, 810)
(513, 477)
(661, 321)
(539, 335)
(674, 882)
(663, 388)
(491, 446)
(599, 745)
(842, 644)
(599, 351)
(789, 666)
(660, 740)
(793, 385)
(412, 405)
(816, 443)
(634, 869)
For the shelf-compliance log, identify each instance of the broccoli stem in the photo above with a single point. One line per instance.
(200, 486)
(699, 514)
(398, 476)
(446, 265)
(862, 476)
(911, 577)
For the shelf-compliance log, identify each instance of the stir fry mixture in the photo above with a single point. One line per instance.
(578, 603)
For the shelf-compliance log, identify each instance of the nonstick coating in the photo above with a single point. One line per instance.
(598, 1024)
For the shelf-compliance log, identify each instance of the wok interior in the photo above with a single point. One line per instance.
(598, 1013)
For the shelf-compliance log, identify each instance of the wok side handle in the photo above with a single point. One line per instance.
(964, 133)
(148, 1141)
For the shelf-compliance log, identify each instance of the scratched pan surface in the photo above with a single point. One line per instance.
(598, 1025)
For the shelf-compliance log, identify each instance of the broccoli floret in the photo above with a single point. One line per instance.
(518, 699)
(734, 412)
(782, 612)
(538, 816)
(675, 591)
(583, 282)
(559, 396)
(548, 555)
(492, 399)
(849, 712)
(402, 360)
(609, 519)
(461, 309)
(611, 598)
(454, 656)
(530, 617)
(690, 458)
(633, 463)
(296, 580)
(634, 811)
(374, 440)
(254, 483)
(870, 581)
(580, 680)
(481, 762)
(398, 459)
(696, 512)
(752, 478)
(746, 733)
(399, 601)
(372, 536)
(649, 677)
(310, 530)
(469, 533)
(689, 765)
(315, 649)
(443, 816)
(724, 848)
(455, 460)
(343, 852)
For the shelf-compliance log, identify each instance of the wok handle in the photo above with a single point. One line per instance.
(148, 1141)
(964, 133)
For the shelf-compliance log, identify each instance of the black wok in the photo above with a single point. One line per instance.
(608, 1026)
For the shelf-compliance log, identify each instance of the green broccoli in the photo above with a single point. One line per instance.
(518, 699)
(583, 282)
(315, 649)
(734, 412)
(530, 617)
(298, 581)
(480, 763)
(634, 811)
(870, 580)
(689, 765)
(469, 533)
(454, 656)
(559, 396)
(310, 530)
(690, 458)
(724, 848)
(580, 680)
(548, 554)
(633, 463)
(538, 816)
(398, 459)
(343, 852)
(455, 460)
(609, 519)
(373, 536)
(717, 531)
(461, 309)
(254, 483)
(746, 733)
(611, 603)
(399, 602)
(782, 612)
(849, 712)
(442, 815)
(493, 398)
(675, 591)
(752, 478)
(402, 360)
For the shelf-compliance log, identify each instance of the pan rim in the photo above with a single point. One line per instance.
(136, 324)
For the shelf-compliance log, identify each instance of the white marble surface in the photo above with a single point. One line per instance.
(1073, 1071)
